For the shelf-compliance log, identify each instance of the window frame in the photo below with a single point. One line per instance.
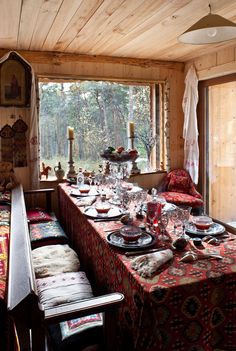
(156, 110)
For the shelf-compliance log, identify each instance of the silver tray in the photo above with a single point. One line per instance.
(116, 239)
(77, 193)
(114, 212)
(215, 229)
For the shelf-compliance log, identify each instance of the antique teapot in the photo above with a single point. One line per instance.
(59, 171)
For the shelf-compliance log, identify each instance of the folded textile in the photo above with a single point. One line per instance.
(63, 288)
(86, 201)
(146, 265)
(54, 259)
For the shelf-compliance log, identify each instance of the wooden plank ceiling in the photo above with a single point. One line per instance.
(146, 29)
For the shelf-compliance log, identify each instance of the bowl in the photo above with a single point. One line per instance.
(202, 222)
(130, 233)
(84, 189)
(102, 207)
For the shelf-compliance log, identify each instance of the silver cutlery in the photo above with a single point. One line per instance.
(142, 252)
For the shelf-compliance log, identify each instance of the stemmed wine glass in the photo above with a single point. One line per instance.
(175, 218)
(163, 223)
(184, 217)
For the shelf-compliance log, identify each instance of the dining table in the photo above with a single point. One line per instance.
(5, 215)
(182, 306)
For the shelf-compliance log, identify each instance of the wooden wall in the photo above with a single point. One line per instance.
(220, 63)
(79, 66)
(117, 70)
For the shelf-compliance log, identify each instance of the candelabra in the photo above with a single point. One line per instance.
(71, 173)
(134, 169)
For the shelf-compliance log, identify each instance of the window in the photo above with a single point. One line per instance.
(98, 111)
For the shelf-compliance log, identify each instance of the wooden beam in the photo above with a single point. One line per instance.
(58, 58)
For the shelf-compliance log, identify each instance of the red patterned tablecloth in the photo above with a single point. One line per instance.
(183, 307)
(4, 241)
(5, 213)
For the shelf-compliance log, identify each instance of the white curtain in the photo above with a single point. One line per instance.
(33, 142)
(190, 130)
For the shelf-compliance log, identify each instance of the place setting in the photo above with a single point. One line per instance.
(203, 226)
(103, 211)
(83, 191)
(131, 237)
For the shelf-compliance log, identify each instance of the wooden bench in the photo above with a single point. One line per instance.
(23, 302)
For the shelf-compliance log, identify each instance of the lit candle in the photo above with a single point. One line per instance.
(70, 133)
(130, 130)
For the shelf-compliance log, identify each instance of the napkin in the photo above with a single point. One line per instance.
(146, 265)
(86, 201)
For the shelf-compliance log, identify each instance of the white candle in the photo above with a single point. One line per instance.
(70, 133)
(130, 130)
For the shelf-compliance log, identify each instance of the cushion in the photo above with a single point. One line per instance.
(54, 259)
(182, 199)
(46, 233)
(36, 215)
(179, 184)
(63, 288)
(78, 325)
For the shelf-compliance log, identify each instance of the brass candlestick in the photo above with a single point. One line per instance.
(71, 173)
(134, 169)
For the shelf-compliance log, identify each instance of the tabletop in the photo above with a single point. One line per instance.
(182, 306)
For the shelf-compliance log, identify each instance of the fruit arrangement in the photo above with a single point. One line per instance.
(119, 154)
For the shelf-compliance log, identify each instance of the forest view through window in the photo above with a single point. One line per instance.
(99, 112)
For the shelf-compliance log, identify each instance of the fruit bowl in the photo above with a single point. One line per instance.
(119, 154)
(202, 222)
(130, 233)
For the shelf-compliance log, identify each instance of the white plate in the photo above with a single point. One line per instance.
(169, 207)
(77, 193)
(114, 212)
(116, 239)
(135, 189)
(215, 229)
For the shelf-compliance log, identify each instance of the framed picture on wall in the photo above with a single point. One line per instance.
(15, 82)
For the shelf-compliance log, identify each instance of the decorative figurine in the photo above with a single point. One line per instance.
(45, 171)
(59, 171)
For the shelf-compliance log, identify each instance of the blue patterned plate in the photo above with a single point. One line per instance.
(215, 229)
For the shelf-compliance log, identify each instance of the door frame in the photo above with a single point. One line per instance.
(203, 119)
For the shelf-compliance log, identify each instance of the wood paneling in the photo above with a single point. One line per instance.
(118, 28)
(220, 63)
(129, 70)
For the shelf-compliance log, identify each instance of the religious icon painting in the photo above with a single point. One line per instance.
(7, 134)
(15, 82)
(20, 149)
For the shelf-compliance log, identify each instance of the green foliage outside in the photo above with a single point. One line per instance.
(98, 112)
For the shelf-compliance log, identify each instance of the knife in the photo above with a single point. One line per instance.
(142, 252)
(106, 219)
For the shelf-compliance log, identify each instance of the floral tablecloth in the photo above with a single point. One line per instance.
(183, 307)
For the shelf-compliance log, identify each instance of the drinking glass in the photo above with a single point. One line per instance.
(163, 223)
(175, 219)
(184, 217)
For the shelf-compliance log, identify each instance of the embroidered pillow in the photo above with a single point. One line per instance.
(54, 259)
(179, 184)
(63, 288)
(36, 215)
(79, 325)
(46, 233)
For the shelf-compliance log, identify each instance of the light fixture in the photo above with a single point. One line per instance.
(209, 29)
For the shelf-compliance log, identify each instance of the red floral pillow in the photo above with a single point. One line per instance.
(179, 184)
(36, 215)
